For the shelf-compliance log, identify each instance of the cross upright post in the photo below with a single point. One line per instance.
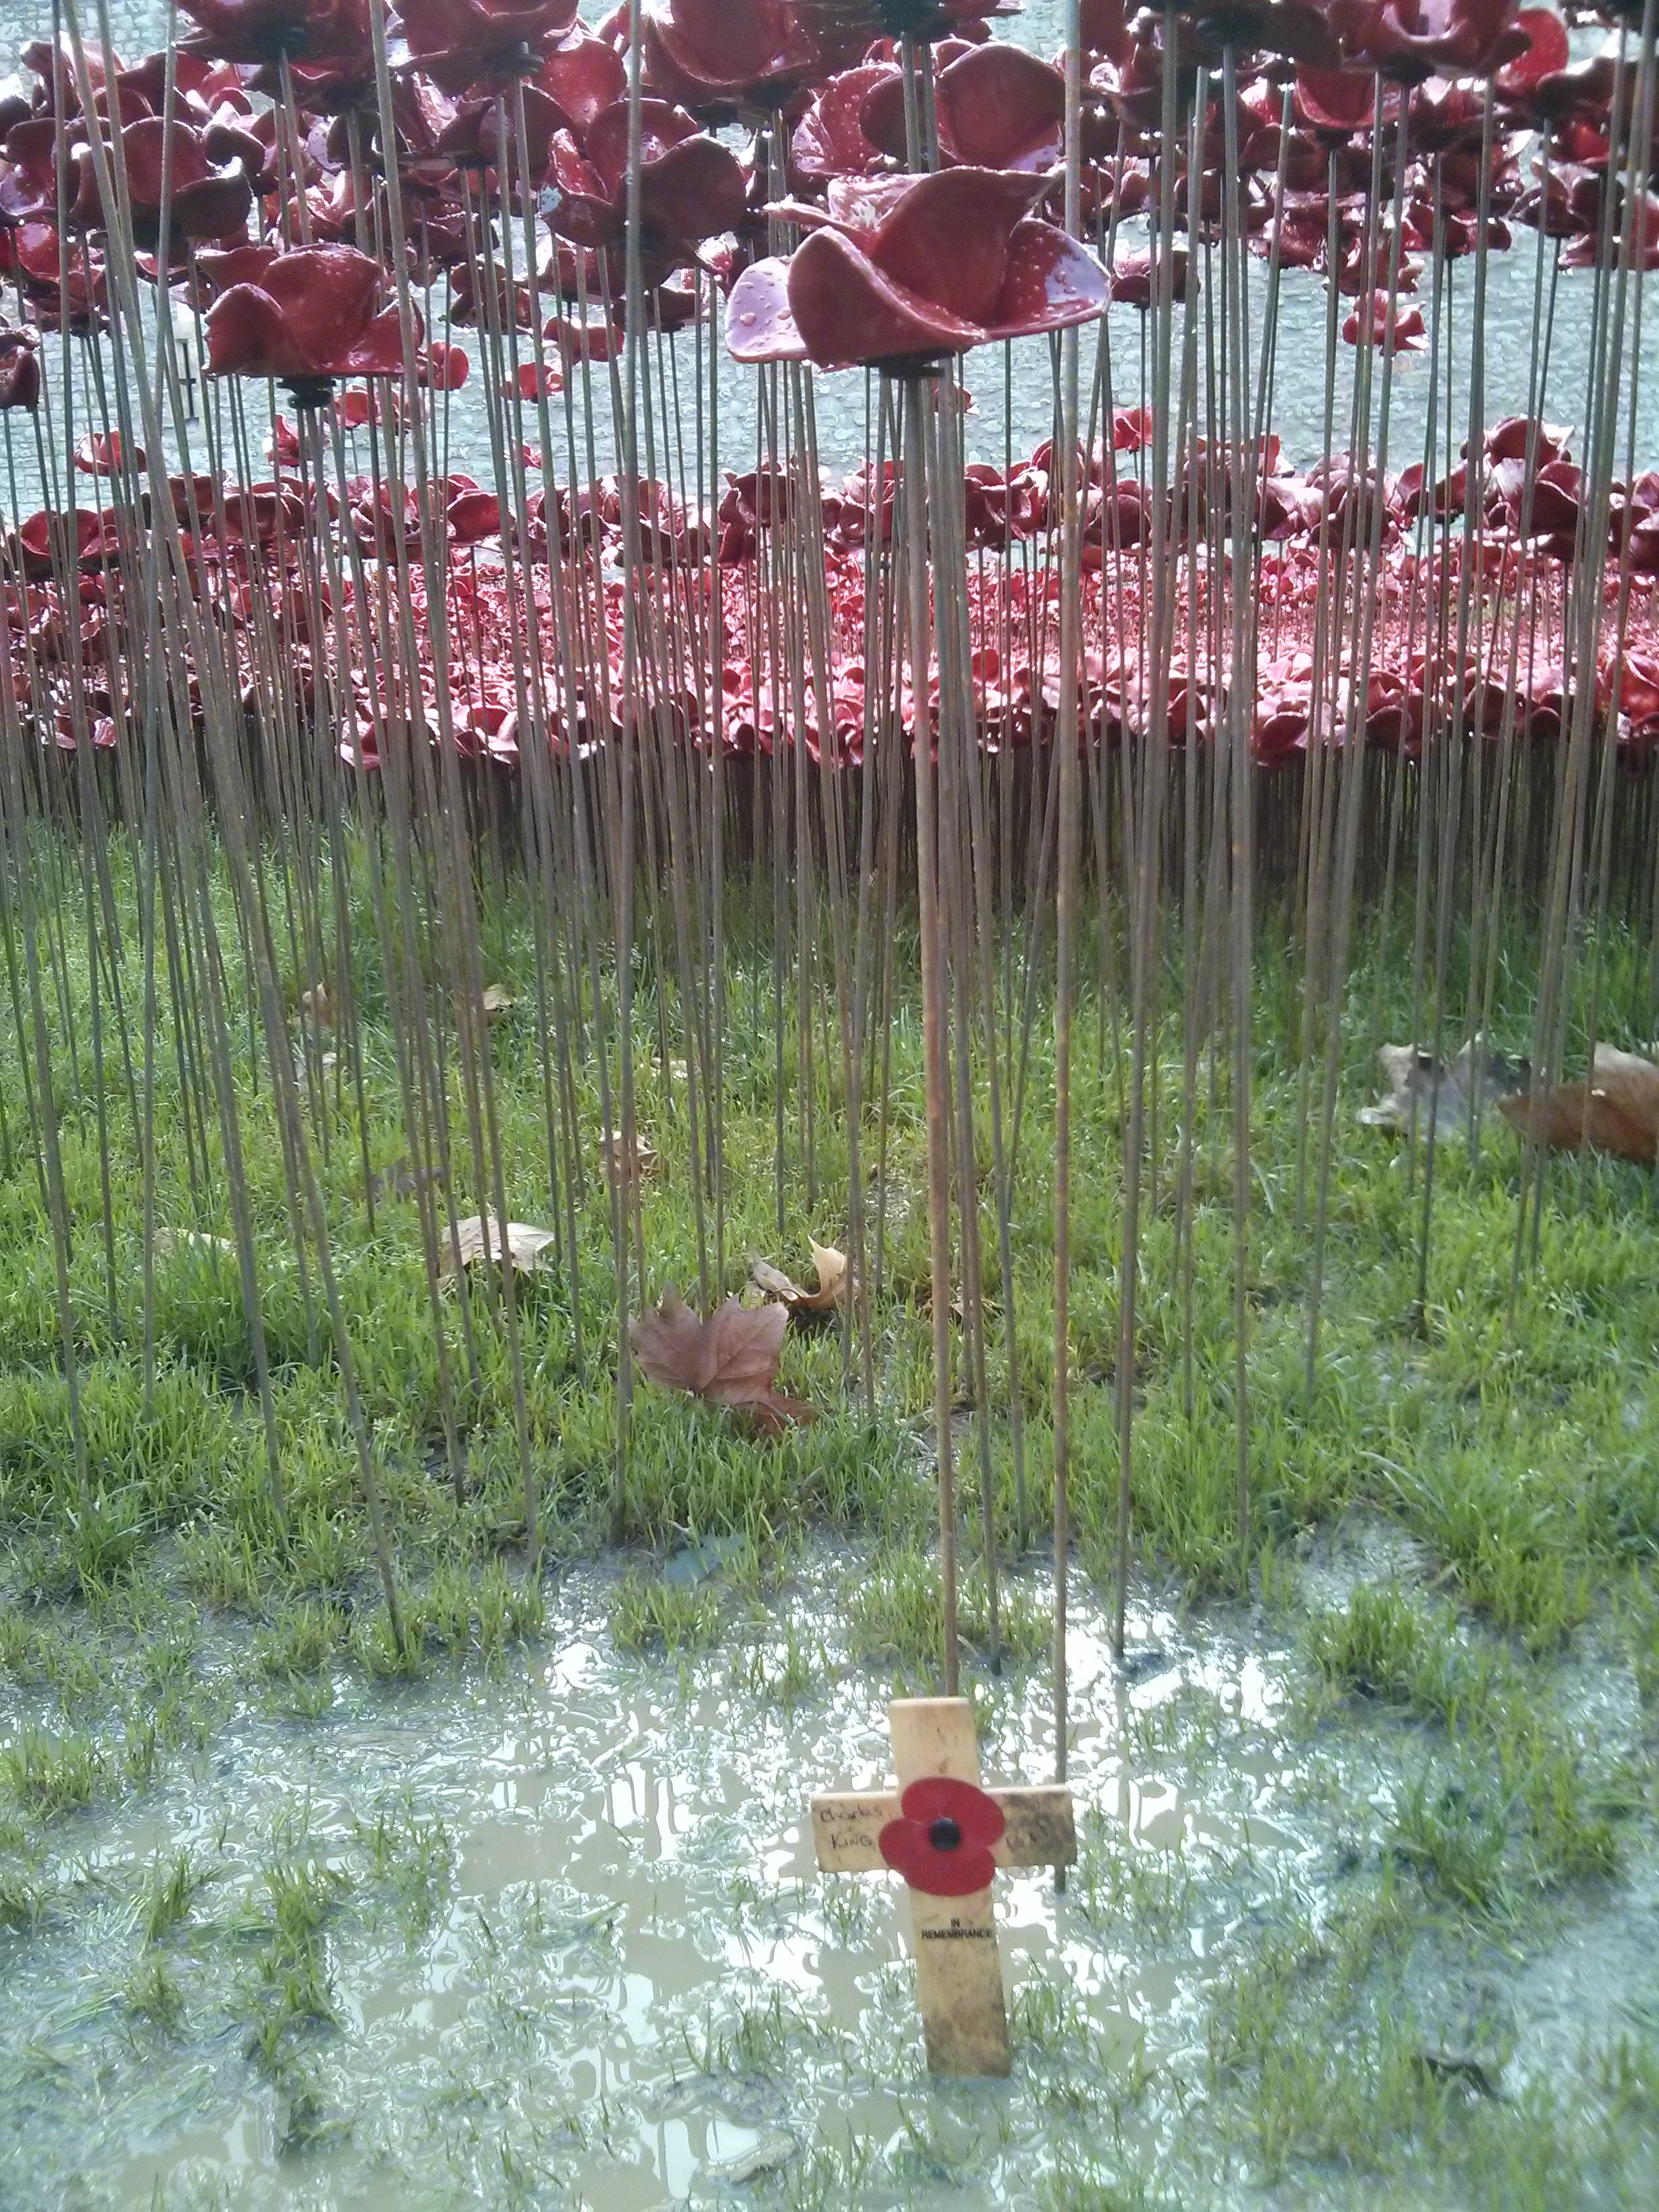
(947, 1837)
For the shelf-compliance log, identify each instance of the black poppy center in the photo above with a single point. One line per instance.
(944, 1834)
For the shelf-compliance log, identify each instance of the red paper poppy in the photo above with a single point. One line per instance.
(302, 315)
(942, 1843)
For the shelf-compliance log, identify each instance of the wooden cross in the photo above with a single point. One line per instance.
(941, 1831)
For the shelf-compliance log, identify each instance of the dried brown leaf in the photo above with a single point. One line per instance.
(623, 1165)
(196, 1242)
(774, 1414)
(773, 1280)
(833, 1272)
(731, 1359)
(404, 1180)
(523, 1243)
(1616, 1111)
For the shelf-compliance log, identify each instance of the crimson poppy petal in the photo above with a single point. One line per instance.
(248, 335)
(694, 192)
(831, 140)
(1052, 283)
(947, 240)
(582, 77)
(847, 310)
(760, 325)
(1002, 108)
(326, 293)
(909, 1848)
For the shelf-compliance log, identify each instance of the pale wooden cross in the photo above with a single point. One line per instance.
(948, 1835)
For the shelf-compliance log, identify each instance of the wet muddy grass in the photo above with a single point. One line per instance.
(1365, 1910)
(1369, 1888)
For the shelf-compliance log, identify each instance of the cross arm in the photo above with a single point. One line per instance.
(1040, 1830)
(845, 1827)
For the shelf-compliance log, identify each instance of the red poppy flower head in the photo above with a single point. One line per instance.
(463, 43)
(929, 19)
(910, 269)
(305, 315)
(942, 1843)
(254, 31)
(20, 367)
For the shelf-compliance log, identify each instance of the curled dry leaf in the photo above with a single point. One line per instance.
(195, 1242)
(729, 1360)
(526, 1246)
(404, 1180)
(1417, 1087)
(1616, 1111)
(626, 1164)
(833, 1272)
(494, 1000)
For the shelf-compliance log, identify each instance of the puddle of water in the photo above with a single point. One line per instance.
(633, 1989)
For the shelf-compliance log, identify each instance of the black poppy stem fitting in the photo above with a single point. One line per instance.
(308, 391)
(923, 21)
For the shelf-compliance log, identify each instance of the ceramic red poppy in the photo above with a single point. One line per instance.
(462, 43)
(253, 32)
(942, 1843)
(20, 367)
(1409, 39)
(582, 76)
(691, 186)
(304, 315)
(831, 139)
(731, 51)
(1386, 326)
(172, 173)
(911, 269)
(444, 368)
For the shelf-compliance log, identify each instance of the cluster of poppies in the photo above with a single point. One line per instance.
(1529, 496)
(266, 134)
(778, 156)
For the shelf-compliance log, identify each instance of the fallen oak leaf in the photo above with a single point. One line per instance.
(520, 1241)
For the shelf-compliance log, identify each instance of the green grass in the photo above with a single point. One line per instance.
(1514, 1439)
